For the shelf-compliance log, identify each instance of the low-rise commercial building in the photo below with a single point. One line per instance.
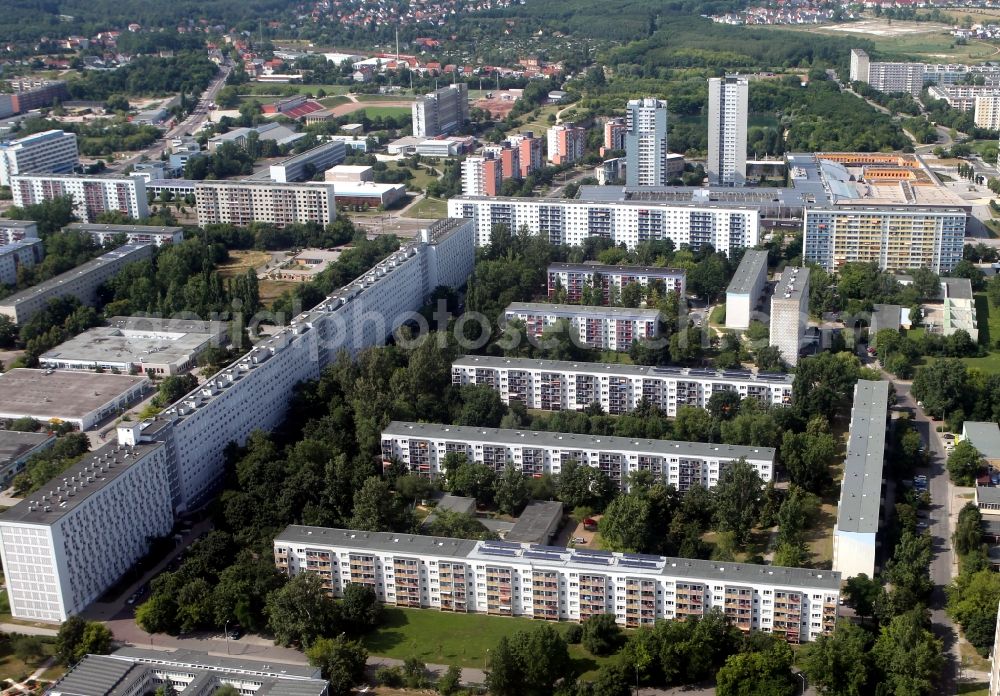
(66, 544)
(92, 195)
(304, 166)
(134, 234)
(82, 282)
(988, 499)
(141, 671)
(628, 222)
(82, 399)
(306, 265)
(745, 289)
(16, 448)
(553, 583)
(16, 230)
(143, 345)
(24, 253)
(985, 437)
(790, 313)
(602, 328)
(422, 447)
(552, 385)
(958, 310)
(859, 512)
(243, 202)
(279, 133)
(538, 523)
(48, 152)
(574, 277)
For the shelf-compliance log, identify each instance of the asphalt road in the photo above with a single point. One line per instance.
(941, 528)
(189, 125)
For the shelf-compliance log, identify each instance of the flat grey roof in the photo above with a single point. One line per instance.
(464, 433)
(18, 245)
(747, 272)
(13, 444)
(122, 252)
(538, 520)
(885, 316)
(310, 153)
(957, 288)
(104, 465)
(116, 229)
(861, 490)
(719, 571)
(985, 437)
(988, 494)
(220, 663)
(609, 270)
(623, 369)
(63, 393)
(793, 280)
(99, 675)
(138, 339)
(582, 310)
(612, 200)
(17, 224)
(376, 541)
(456, 503)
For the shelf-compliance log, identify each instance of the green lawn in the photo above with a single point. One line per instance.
(443, 638)
(974, 689)
(718, 315)
(429, 209)
(396, 111)
(988, 317)
(331, 102)
(381, 97)
(15, 669)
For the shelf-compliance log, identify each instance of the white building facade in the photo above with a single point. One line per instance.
(552, 583)
(623, 222)
(24, 253)
(134, 234)
(551, 385)
(422, 447)
(604, 328)
(646, 143)
(728, 99)
(49, 152)
(441, 112)
(574, 277)
(66, 544)
(305, 165)
(16, 230)
(790, 313)
(243, 202)
(92, 195)
(745, 289)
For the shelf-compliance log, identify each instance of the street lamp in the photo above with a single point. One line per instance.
(227, 638)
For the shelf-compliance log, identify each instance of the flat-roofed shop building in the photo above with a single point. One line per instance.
(553, 385)
(555, 583)
(145, 345)
(422, 447)
(82, 399)
(16, 448)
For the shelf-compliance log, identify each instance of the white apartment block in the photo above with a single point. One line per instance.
(49, 152)
(134, 234)
(897, 238)
(574, 277)
(565, 143)
(92, 195)
(860, 507)
(16, 230)
(243, 202)
(646, 143)
(987, 114)
(958, 308)
(745, 289)
(623, 222)
(911, 77)
(66, 544)
(604, 328)
(962, 97)
(422, 447)
(481, 176)
(441, 112)
(551, 385)
(25, 253)
(253, 393)
(82, 282)
(305, 165)
(728, 99)
(790, 313)
(554, 583)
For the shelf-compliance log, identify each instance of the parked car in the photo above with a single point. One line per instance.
(579, 540)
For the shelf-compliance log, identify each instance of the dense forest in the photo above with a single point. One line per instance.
(147, 75)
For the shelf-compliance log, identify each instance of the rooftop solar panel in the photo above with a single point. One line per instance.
(554, 549)
(642, 557)
(541, 556)
(497, 544)
(593, 560)
(637, 564)
(592, 552)
(510, 553)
